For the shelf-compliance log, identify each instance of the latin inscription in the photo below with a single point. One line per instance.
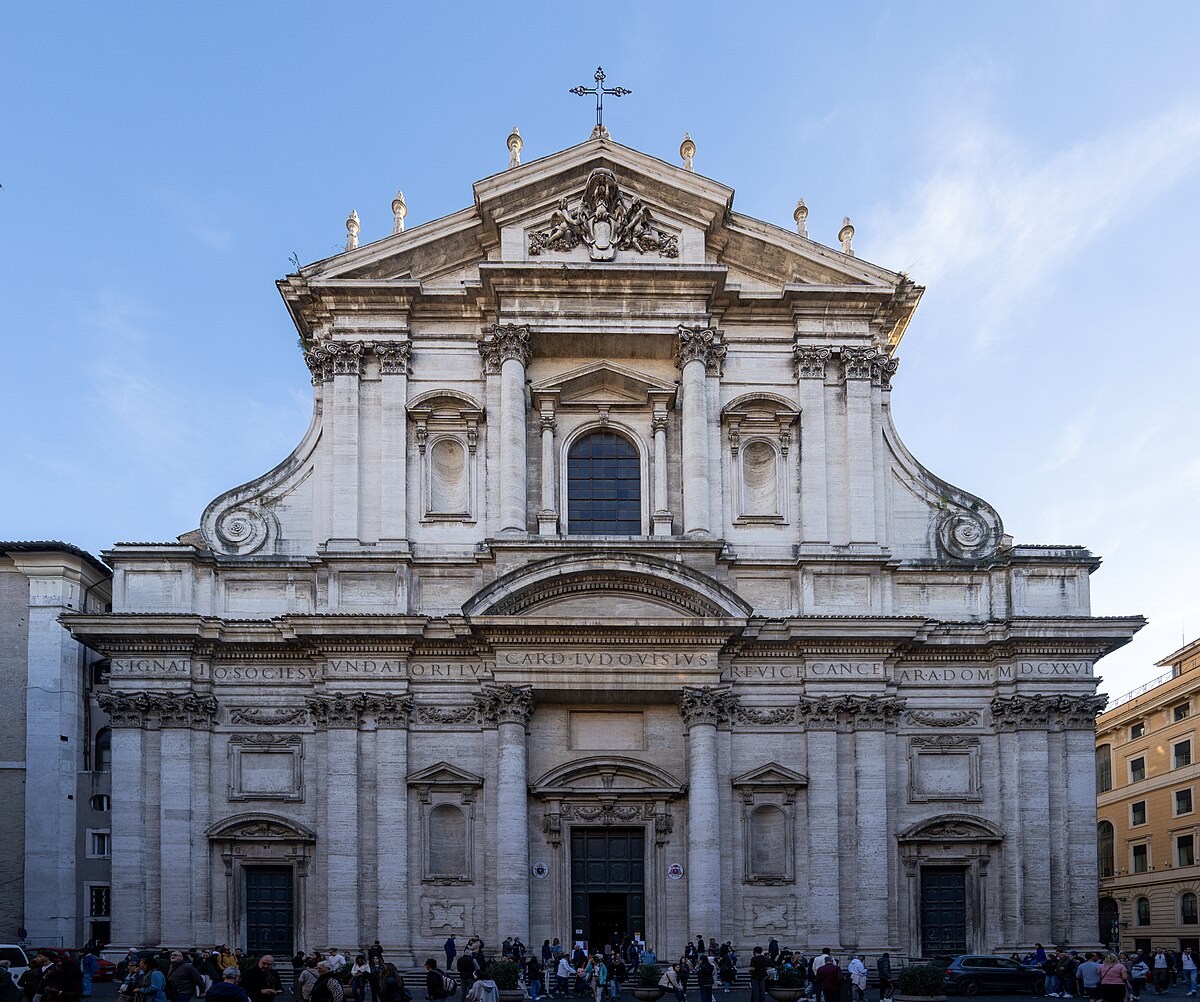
(606, 659)
(266, 673)
(151, 667)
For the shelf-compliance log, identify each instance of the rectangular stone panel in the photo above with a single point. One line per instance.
(608, 731)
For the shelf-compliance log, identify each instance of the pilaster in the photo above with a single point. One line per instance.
(505, 349)
(394, 361)
(698, 351)
(810, 376)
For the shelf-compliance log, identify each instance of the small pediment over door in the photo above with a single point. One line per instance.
(604, 384)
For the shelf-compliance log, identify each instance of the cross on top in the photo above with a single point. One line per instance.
(600, 90)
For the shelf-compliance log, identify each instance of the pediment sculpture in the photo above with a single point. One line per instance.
(605, 221)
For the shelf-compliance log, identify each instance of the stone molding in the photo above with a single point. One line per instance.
(810, 361)
(701, 344)
(505, 704)
(608, 813)
(957, 718)
(707, 704)
(161, 709)
(348, 711)
(871, 711)
(500, 342)
(765, 715)
(327, 359)
(467, 714)
(1020, 712)
(267, 716)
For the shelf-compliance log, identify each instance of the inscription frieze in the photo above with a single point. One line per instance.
(151, 667)
(607, 659)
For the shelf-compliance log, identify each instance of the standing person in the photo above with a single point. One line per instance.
(184, 980)
(858, 977)
(562, 976)
(772, 950)
(1050, 966)
(62, 982)
(1114, 979)
(1138, 974)
(31, 981)
(1089, 975)
(451, 949)
(705, 973)
(327, 987)
(1160, 971)
(484, 989)
(228, 989)
(829, 979)
(226, 958)
(154, 983)
(728, 970)
(89, 966)
(303, 986)
(336, 960)
(360, 978)
(9, 991)
(297, 965)
(1187, 967)
(438, 984)
(376, 951)
(262, 982)
(533, 976)
(391, 984)
(468, 970)
(618, 971)
(887, 987)
(758, 975)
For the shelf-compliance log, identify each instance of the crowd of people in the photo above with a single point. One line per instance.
(1114, 977)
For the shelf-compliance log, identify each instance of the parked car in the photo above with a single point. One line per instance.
(969, 974)
(15, 955)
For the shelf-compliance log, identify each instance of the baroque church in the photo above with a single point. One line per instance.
(601, 595)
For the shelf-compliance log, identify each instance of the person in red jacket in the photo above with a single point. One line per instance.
(829, 980)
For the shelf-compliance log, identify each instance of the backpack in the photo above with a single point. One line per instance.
(449, 985)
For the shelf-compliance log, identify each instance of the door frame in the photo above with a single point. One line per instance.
(246, 869)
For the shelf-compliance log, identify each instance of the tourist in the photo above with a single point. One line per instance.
(533, 976)
(1139, 972)
(468, 970)
(474, 946)
(89, 966)
(360, 978)
(303, 985)
(829, 979)
(618, 972)
(438, 984)
(1089, 976)
(209, 970)
(728, 970)
(30, 982)
(1067, 966)
(185, 981)
(759, 965)
(153, 987)
(883, 966)
(337, 960)
(376, 953)
(226, 958)
(62, 982)
(1187, 967)
(228, 989)
(670, 981)
(1161, 971)
(595, 976)
(1114, 979)
(562, 976)
(262, 982)
(484, 989)
(858, 977)
(328, 988)
(391, 984)
(705, 974)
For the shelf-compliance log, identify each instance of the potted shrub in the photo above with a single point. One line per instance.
(507, 975)
(920, 981)
(786, 986)
(645, 983)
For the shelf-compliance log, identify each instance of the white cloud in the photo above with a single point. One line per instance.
(1003, 225)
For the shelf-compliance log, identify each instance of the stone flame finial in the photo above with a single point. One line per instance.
(399, 211)
(687, 150)
(846, 236)
(515, 145)
(352, 229)
(801, 217)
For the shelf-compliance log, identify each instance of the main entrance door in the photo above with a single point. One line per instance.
(943, 911)
(269, 912)
(608, 883)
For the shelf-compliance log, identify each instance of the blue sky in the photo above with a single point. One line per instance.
(1035, 165)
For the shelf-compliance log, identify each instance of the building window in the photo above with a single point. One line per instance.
(1137, 730)
(1183, 801)
(99, 844)
(447, 842)
(1104, 768)
(1104, 848)
(1143, 911)
(1185, 850)
(604, 486)
(99, 901)
(1182, 753)
(1137, 769)
(1182, 711)
(103, 762)
(101, 669)
(768, 841)
(101, 802)
(1137, 813)
(1141, 858)
(1187, 909)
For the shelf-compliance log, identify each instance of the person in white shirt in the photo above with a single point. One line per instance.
(1188, 966)
(858, 977)
(335, 960)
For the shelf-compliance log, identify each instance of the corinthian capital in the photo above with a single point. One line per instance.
(810, 361)
(505, 704)
(1078, 713)
(338, 710)
(393, 356)
(701, 344)
(1011, 713)
(126, 709)
(857, 363)
(335, 358)
(707, 704)
(389, 709)
(501, 342)
(164, 709)
(189, 709)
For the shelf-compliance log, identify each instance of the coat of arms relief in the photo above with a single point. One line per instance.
(604, 221)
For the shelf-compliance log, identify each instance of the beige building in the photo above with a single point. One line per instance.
(1148, 823)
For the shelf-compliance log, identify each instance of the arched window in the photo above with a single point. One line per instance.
(768, 842)
(760, 479)
(1105, 848)
(604, 486)
(103, 762)
(1103, 768)
(448, 478)
(1142, 911)
(447, 841)
(1187, 909)
(101, 802)
(1108, 921)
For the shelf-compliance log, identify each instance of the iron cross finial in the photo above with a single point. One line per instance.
(600, 90)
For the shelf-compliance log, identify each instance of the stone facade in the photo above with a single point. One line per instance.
(54, 776)
(402, 676)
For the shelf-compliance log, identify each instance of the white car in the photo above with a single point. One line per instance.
(15, 955)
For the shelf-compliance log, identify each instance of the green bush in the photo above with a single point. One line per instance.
(505, 973)
(647, 976)
(921, 979)
(787, 977)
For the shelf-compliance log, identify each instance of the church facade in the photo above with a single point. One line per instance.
(602, 595)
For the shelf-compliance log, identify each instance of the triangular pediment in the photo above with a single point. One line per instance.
(604, 383)
(444, 774)
(772, 774)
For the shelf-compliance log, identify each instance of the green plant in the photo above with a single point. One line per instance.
(647, 976)
(505, 973)
(787, 977)
(921, 979)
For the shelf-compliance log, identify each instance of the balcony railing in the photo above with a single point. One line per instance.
(1140, 690)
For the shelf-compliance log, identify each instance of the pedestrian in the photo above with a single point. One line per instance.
(30, 982)
(887, 987)
(1161, 971)
(533, 976)
(468, 970)
(183, 979)
(728, 970)
(484, 989)
(438, 984)
(10, 991)
(829, 979)
(262, 982)
(1089, 976)
(1066, 975)
(1138, 974)
(360, 978)
(562, 976)
(154, 983)
(758, 975)
(303, 985)
(62, 982)
(705, 973)
(670, 981)
(327, 987)
(857, 970)
(228, 989)
(376, 953)
(1187, 967)
(618, 971)
(226, 958)
(89, 966)
(1114, 979)
(391, 985)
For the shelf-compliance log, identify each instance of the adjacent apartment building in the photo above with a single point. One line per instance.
(1148, 821)
(55, 749)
